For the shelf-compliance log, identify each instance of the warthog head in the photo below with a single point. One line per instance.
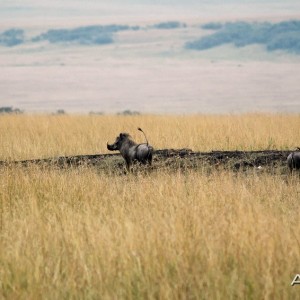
(120, 140)
(132, 151)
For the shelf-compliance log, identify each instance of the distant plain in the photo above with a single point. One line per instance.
(146, 70)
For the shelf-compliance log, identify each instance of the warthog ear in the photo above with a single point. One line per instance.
(124, 135)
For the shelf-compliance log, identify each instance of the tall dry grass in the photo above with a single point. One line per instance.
(27, 137)
(80, 234)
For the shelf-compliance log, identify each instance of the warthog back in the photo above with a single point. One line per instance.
(293, 161)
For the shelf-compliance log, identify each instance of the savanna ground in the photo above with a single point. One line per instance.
(84, 231)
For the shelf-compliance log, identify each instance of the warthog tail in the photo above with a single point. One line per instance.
(140, 129)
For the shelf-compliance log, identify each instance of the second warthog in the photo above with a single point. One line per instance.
(293, 160)
(131, 151)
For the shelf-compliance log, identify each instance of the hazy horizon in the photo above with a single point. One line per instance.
(50, 12)
(142, 64)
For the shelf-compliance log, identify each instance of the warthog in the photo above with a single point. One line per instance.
(131, 151)
(293, 160)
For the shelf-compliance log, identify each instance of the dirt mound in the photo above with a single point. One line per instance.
(235, 159)
(175, 158)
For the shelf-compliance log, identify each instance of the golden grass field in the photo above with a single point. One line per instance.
(79, 233)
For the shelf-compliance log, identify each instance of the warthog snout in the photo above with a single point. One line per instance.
(131, 151)
(112, 147)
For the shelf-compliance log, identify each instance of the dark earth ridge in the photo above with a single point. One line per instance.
(174, 159)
